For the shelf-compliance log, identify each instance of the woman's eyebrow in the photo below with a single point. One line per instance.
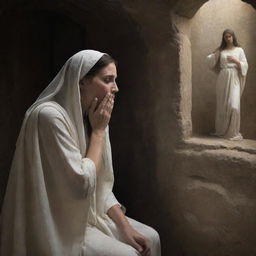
(111, 76)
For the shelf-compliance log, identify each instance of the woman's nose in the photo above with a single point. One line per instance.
(115, 88)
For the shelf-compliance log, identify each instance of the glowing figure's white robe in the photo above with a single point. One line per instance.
(229, 88)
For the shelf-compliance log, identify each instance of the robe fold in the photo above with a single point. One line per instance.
(53, 195)
(52, 187)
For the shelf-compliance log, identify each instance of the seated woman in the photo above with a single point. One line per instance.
(59, 199)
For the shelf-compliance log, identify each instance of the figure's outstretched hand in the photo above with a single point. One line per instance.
(99, 116)
(136, 240)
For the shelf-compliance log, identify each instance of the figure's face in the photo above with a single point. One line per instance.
(228, 38)
(98, 86)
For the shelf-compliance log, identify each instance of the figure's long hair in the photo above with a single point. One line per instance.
(223, 44)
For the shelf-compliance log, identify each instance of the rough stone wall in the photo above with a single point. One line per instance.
(206, 32)
(200, 200)
(211, 183)
(213, 203)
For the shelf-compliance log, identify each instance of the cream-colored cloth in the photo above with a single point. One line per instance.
(229, 88)
(97, 243)
(53, 194)
(52, 187)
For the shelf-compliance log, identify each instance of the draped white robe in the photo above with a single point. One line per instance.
(54, 202)
(229, 88)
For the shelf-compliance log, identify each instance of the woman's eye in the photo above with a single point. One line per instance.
(107, 80)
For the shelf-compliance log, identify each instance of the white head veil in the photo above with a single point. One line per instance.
(27, 220)
(64, 89)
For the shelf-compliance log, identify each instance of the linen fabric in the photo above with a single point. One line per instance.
(52, 187)
(54, 203)
(229, 89)
(97, 243)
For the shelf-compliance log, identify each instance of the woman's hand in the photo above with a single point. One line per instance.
(136, 240)
(130, 235)
(99, 116)
(232, 59)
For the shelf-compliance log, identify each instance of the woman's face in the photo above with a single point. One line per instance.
(228, 38)
(98, 86)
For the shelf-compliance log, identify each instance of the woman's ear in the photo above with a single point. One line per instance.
(84, 81)
(82, 84)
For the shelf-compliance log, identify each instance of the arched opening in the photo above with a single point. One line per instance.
(206, 32)
(196, 30)
(211, 166)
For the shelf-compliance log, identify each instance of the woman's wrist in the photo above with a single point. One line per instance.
(122, 223)
(98, 133)
(117, 215)
(124, 227)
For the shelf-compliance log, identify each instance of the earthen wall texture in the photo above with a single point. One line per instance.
(201, 202)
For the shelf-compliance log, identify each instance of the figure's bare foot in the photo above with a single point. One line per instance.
(237, 137)
(214, 134)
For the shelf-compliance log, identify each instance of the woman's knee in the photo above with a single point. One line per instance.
(130, 251)
(153, 235)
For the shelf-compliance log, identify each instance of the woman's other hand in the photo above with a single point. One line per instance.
(99, 116)
(234, 60)
(136, 240)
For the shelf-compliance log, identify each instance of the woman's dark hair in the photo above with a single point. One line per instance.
(101, 63)
(223, 44)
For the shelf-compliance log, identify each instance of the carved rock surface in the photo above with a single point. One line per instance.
(198, 194)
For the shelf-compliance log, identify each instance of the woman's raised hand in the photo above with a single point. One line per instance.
(99, 116)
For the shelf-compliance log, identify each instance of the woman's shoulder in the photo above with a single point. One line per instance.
(49, 112)
(54, 117)
(236, 50)
(240, 51)
(239, 48)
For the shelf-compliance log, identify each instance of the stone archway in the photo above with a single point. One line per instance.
(188, 8)
(184, 24)
(152, 116)
(206, 32)
(207, 224)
